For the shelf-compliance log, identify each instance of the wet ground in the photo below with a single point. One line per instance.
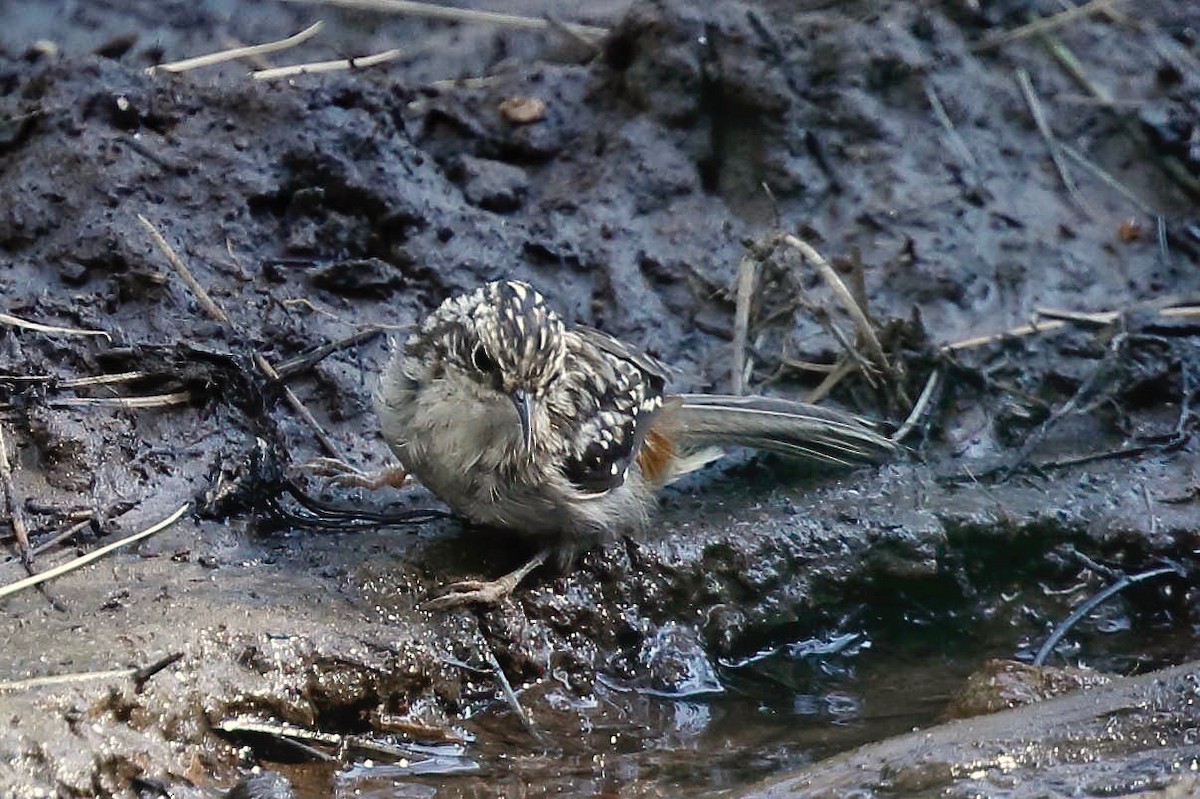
(776, 617)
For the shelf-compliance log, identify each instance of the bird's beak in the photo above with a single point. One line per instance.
(524, 402)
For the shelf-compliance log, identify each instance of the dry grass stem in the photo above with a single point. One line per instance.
(918, 411)
(1039, 119)
(1043, 25)
(465, 83)
(60, 537)
(16, 321)
(293, 733)
(83, 560)
(956, 140)
(747, 279)
(809, 366)
(1015, 332)
(16, 519)
(299, 408)
(235, 53)
(216, 313)
(862, 325)
(327, 66)
(1109, 180)
(12, 686)
(1059, 319)
(153, 401)
(446, 13)
(76, 382)
(184, 273)
(830, 382)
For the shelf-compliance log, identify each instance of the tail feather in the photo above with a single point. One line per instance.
(777, 425)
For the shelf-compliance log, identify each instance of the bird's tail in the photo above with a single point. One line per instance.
(789, 428)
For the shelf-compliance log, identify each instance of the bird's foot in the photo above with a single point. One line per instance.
(340, 473)
(485, 592)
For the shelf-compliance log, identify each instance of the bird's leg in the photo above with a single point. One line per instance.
(485, 592)
(343, 474)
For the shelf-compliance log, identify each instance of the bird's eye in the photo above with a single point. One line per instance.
(482, 361)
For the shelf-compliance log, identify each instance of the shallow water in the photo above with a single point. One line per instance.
(774, 712)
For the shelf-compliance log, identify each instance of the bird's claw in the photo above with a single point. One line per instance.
(339, 473)
(473, 592)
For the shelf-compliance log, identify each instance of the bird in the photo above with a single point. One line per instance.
(564, 434)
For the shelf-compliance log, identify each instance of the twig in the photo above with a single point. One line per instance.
(11, 686)
(238, 52)
(263, 364)
(1102, 319)
(58, 538)
(153, 401)
(184, 273)
(430, 11)
(308, 360)
(315, 67)
(16, 518)
(16, 321)
(481, 82)
(140, 676)
(299, 408)
(75, 382)
(863, 325)
(809, 366)
(1087, 607)
(832, 379)
(1039, 119)
(1085, 387)
(956, 139)
(509, 695)
(294, 733)
(1015, 332)
(1042, 25)
(1075, 68)
(747, 277)
(83, 560)
(1108, 179)
(918, 410)
(101, 380)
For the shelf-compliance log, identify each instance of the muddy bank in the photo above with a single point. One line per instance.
(316, 207)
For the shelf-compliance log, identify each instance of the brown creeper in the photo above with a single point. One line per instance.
(563, 433)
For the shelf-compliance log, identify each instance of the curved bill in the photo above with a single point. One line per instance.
(523, 401)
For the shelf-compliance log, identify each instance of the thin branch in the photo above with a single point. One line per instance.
(1043, 25)
(1087, 607)
(235, 53)
(90, 557)
(918, 411)
(832, 379)
(1108, 179)
(327, 66)
(16, 518)
(1039, 119)
(956, 139)
(747, 277)
(431, 11)
(16, 321)
(1015, 332)
(184, 273)
(863, 325)
(153, 401)
(12, 686)
(216, 313)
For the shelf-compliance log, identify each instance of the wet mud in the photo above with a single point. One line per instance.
(776, 616)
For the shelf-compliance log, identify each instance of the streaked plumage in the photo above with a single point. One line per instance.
(601, 435)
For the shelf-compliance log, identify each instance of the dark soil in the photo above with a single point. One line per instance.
(777, 616)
